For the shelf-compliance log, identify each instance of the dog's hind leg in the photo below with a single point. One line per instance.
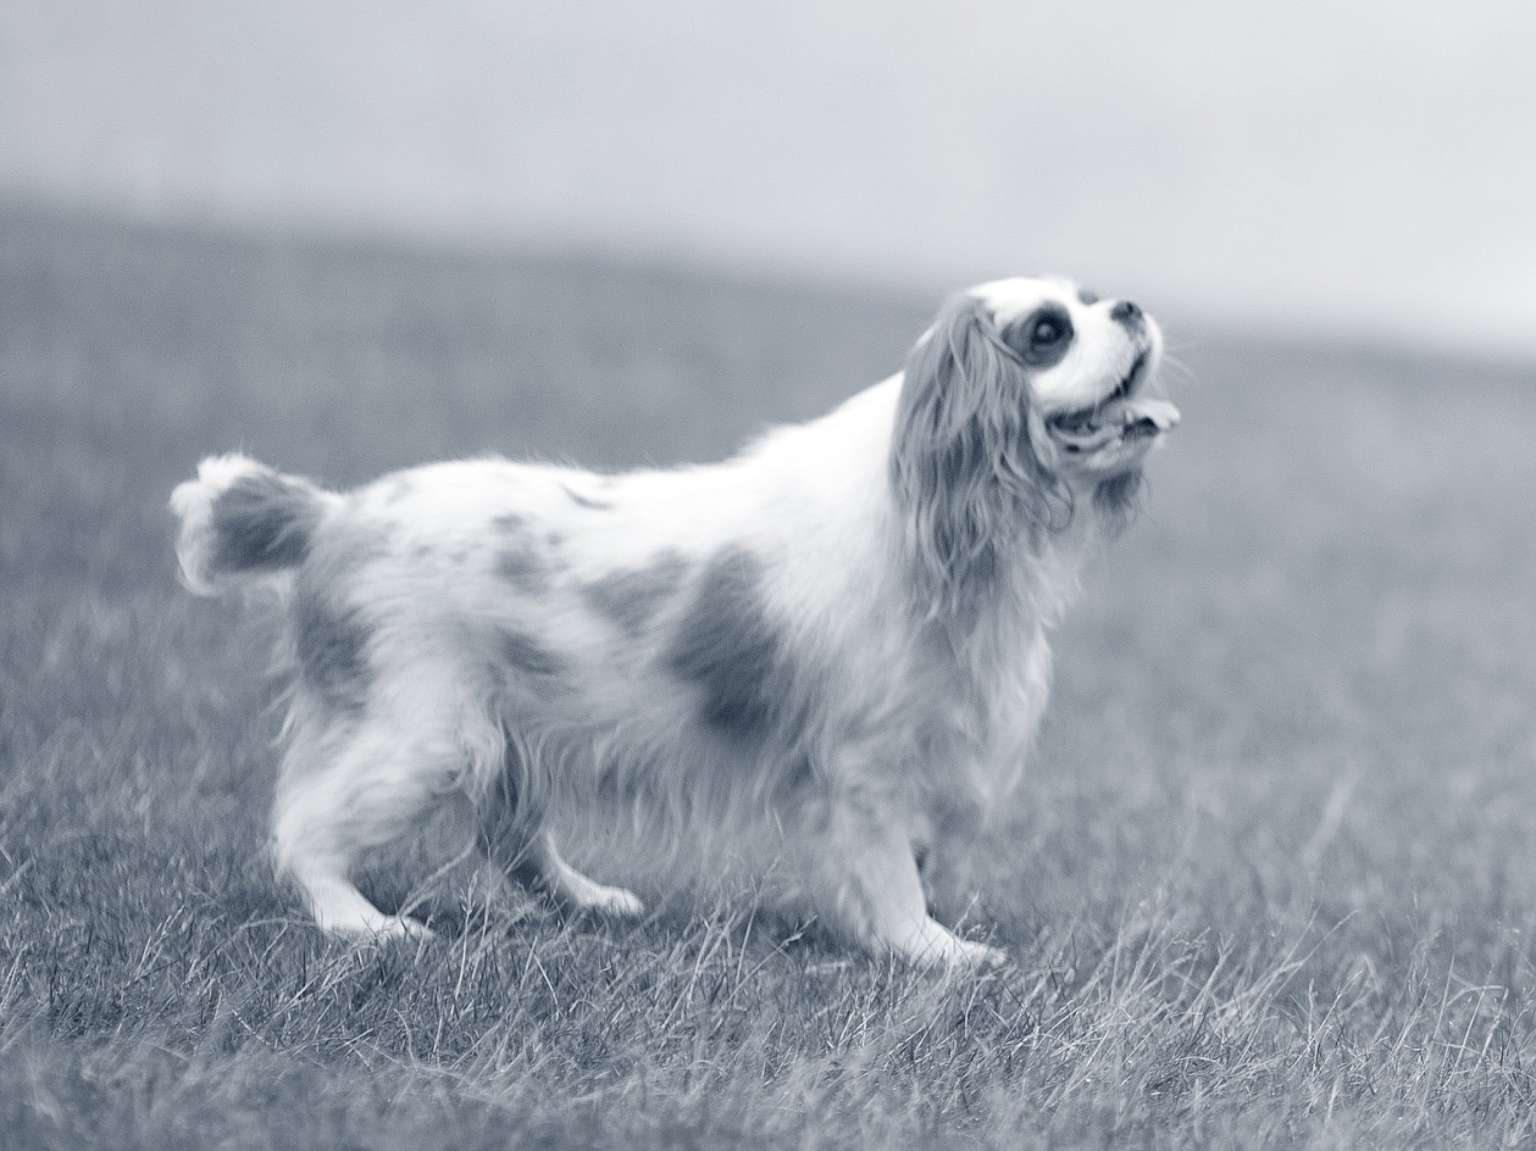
(358, 786)
(535, 863)
(542, 868)
(518, 846)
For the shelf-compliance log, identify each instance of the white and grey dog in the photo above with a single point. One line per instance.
(828, 654)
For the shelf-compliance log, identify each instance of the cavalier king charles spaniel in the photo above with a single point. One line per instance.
(823, 657)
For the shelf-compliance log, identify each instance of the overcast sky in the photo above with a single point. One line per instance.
(1305, 165)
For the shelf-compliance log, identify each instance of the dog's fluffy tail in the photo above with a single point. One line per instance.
(241, 519)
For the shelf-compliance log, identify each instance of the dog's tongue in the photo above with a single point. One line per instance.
(1118, 419)
(1160, 413)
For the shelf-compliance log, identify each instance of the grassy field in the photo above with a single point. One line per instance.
(1271, 881)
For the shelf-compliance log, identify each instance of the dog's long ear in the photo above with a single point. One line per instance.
(965, 471)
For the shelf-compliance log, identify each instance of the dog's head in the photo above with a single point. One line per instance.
(1085, 362)
(1025, 396)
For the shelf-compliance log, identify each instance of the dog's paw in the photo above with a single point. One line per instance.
(403, 927)
(614, 901)
(940, 949)
(977, 955)
(380, 928)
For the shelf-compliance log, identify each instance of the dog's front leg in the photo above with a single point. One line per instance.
(942, 844)
(864, 881)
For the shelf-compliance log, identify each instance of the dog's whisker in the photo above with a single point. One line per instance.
(1175, 364)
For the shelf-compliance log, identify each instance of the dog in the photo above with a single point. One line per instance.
(828, 653)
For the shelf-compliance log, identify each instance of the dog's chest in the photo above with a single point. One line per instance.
(998, 673)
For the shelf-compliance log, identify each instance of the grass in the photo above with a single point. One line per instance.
(1271, 881)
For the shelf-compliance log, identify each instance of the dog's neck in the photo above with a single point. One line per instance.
(982, 553)
(1032, 581)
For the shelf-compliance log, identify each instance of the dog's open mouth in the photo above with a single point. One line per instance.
(1118, 418)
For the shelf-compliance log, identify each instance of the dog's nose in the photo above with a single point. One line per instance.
(1126, 312)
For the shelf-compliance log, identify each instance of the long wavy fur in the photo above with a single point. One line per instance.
(967, 474)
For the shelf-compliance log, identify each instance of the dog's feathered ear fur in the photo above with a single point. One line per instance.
(965, 464)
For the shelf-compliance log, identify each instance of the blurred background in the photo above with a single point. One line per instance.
(1310, 168)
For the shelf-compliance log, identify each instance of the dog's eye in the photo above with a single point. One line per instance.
(1042, 337)
(1048, 331)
